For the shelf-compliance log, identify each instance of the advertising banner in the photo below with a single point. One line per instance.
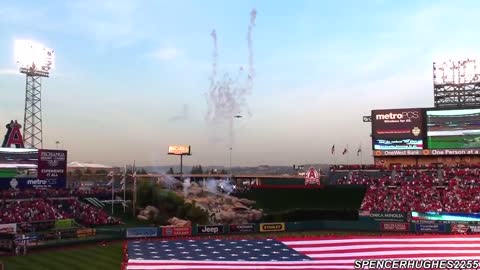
(272, 227)
(427, 152)
(83, 233)
(385, 216)
(242, 228)
(8, 228)
(459, 228)
(398, 129)
(142, 232)
(31, 183)
(464, 228)
(446, 217)
(176, 231)
(429, 227)
(394, 227)
(52, 164)
(63, 223)
(210, 229)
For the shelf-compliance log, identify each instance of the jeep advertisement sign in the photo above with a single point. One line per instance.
(210, 229)
(398, 129)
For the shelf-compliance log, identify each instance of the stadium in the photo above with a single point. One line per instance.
(416, 206)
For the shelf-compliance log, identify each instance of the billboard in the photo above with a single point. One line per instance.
(179, 150)
(272, 227)
(242, 228)
(142, 232)
(52, 164)
(31, 183)
(394, 227)
(433, 228)
(210, 229)
(453, 129)
(176, 231)
(398, 129)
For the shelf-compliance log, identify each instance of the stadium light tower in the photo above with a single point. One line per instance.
(35, 61)
(456, 83)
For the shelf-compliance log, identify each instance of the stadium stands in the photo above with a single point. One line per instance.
(427, 188)
(31, 206)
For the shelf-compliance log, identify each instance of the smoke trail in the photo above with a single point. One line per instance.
(251, 70)
(227, 96)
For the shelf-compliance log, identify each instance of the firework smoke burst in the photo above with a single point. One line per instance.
(227, 96)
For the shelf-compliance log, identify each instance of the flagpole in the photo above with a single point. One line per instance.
(124, 189)
(348, 155)
(113, 183)
(134, 188)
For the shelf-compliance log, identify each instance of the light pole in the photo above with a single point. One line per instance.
(231, 145)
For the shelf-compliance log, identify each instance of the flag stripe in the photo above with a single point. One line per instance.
(318, 253)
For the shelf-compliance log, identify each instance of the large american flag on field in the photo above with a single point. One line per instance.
(302, 253)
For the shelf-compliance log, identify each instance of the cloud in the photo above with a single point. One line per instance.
(9, 71)
(111, 22)
(182, 116)
(166, 53)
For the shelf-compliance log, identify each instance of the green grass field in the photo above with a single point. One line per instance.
(95, 257)
(71, 258)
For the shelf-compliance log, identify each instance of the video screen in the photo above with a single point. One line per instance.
(398, 144)
(446, 216)
(453, 129)
(398, 129)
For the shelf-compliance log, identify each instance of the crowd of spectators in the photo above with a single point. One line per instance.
(41, 210)
(97, 192)
(428, 188)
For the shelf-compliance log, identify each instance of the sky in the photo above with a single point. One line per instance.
(131, 76)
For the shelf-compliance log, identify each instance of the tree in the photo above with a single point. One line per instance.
(102, 172)
(78, 173)
(170, 171)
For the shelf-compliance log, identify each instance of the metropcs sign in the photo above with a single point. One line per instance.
(398, 116)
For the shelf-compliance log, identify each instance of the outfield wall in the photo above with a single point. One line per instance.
(375, 222)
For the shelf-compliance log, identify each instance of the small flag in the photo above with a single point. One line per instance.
(333, 149)
(344, 151)
(359, 150)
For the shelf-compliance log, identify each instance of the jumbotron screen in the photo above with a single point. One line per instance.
(398, 129)
(453, 129)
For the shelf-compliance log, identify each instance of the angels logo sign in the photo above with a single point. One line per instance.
(312, 177)
(13, 136)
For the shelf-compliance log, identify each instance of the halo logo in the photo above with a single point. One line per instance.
(14, 183)
(416, 131)
(53, 163)
(398, 116)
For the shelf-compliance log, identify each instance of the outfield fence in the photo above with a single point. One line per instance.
(375, 222)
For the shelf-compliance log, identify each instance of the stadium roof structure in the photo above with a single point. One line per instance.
(17, 150)
(18, 166)
(85, 165)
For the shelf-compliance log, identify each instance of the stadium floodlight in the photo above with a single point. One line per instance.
(455, 72)
(35, 61)
(34, 58)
